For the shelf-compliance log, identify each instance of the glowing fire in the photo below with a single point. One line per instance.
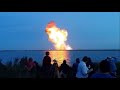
(57, 36)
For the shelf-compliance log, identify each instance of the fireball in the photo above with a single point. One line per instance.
(57, 36)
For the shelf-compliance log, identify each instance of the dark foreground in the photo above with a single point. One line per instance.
(17, 69)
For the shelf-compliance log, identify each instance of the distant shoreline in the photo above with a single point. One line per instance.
(69, 50)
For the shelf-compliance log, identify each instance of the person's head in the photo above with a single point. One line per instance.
(47, 53)
(36, 63)
(108, 58)
(89, 59)
(64, 62)
(85, 59)
(54, 61)
(77, 60)
(25, 58)
(104, 66)
(21, 60)
(30, 59)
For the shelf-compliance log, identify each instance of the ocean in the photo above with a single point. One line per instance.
(69, 56)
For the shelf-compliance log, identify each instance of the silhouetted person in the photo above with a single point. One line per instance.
(16, 62)
(90, 66)
(113, 67)
(37, 69)
(23, 67)
(82, 71)
(104, 72)
(54, 72)
(89, 63)
(15, 67)
(75, 67)
(46, 65)
(23, 63)
(30, 64)
(64, 69)
(47, 60)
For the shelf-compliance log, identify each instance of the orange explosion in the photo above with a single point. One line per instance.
(57, 36)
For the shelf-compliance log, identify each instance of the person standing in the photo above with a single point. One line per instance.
(104, 70)
(82, 71)
(75, 67)
(46, 66)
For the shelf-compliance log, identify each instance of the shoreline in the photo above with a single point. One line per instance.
(69, 50)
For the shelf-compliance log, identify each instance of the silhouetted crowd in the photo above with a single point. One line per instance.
(84, 68)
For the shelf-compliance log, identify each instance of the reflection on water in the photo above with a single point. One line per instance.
(59, 56)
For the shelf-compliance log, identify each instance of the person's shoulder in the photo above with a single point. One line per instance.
(83, 63)
(45, 56)
(49, 57)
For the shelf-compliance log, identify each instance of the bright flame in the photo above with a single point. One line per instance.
(57, 36)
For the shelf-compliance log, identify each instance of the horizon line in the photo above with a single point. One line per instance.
(68, 50)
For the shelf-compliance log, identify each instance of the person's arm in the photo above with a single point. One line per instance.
(90, 70)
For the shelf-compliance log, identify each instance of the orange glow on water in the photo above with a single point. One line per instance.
(59, 56)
